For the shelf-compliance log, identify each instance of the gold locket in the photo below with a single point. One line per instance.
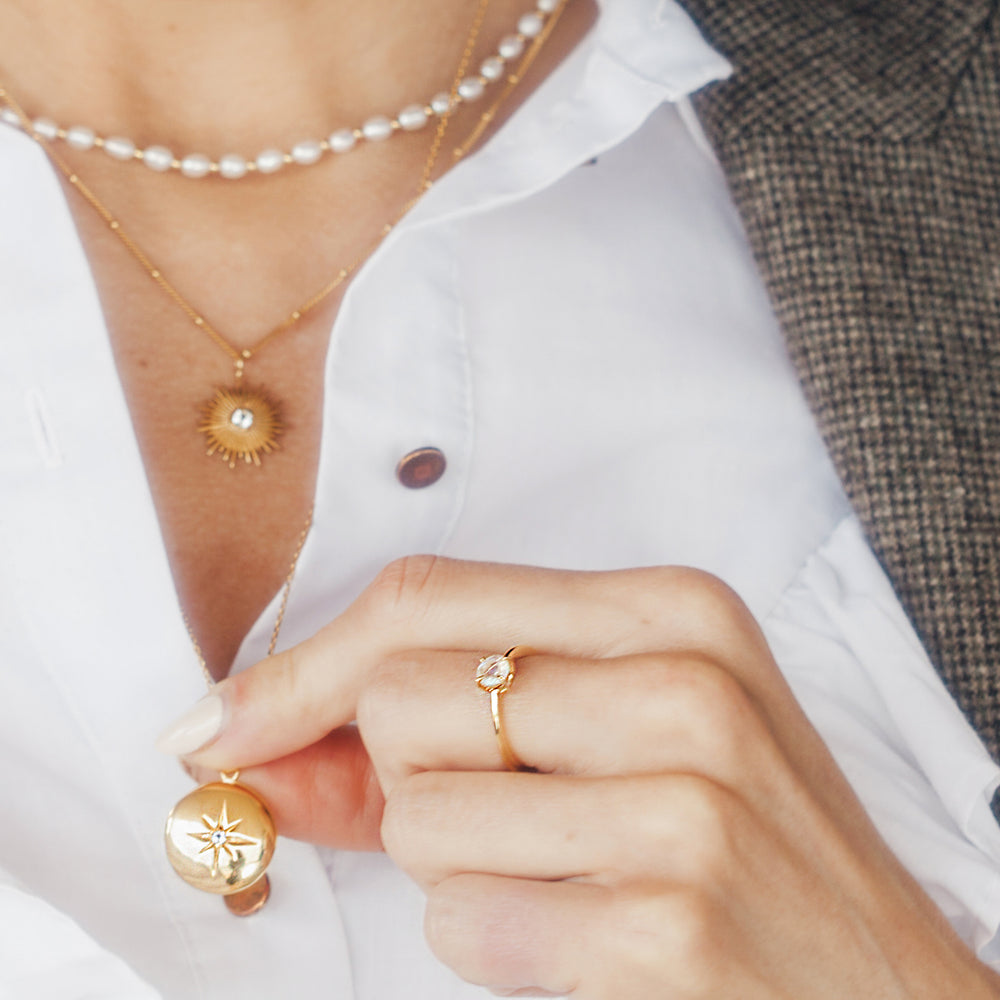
(220, 839)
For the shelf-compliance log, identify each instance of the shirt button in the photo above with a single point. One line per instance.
(423, 467)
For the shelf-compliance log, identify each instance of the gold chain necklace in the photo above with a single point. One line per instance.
(220, 838)
(244, 423)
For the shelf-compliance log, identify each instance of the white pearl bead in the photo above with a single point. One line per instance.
(530, 25)
(511, 47)
(270, 160)
(158, 158)
(376, 129)
(342, 140)
(306, 152)
(492, 69)
(412, 117)
(471, 88)
(232, 167)
(46, 128)
(441, 103)
(81, 137)
(119, 147)
(195, 165)
(547, 6)
(9, 115)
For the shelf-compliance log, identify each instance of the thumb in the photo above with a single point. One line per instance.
(281, 704)
(326, 793)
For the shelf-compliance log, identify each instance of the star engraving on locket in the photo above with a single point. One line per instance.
(219, 837)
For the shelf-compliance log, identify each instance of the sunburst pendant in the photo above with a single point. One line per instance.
(241, 424)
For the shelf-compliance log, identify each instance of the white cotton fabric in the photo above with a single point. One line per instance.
(590, 344)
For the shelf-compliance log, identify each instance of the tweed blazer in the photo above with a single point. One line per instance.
(862, 143)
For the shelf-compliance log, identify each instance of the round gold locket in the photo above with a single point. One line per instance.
(220, 839)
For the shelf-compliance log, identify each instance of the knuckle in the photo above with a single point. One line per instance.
(443, 918)
(717, 698)
(392, 830)
(714, 609)
(688, 832)
(704, 698)
(711, 595)
(380, 698)
(693, 920)
(675, 930)
(403, 589)
(384, 702)
(719, 706)
(698, 588)
(385, 712)
(711, 820)
(410, 807)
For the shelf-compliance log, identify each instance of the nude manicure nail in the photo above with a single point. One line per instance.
(196, 727)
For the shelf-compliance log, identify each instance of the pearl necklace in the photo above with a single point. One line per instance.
(309, 151)
(242, 424)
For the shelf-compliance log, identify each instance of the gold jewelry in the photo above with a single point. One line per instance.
(220, 838)
(495, 675)
(243, 423)
(236, 870)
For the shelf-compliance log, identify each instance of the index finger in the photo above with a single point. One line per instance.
(296, 697)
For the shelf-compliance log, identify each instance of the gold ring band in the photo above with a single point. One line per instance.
(495, 675)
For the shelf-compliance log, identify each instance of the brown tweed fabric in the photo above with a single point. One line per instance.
(862, 143)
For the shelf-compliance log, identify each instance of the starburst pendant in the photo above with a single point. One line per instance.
(241, 424)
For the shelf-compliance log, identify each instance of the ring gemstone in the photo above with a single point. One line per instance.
(494, 672)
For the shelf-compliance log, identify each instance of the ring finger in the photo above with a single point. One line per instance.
(423, 711)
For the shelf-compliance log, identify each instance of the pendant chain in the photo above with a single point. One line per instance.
(286, 589)
(240, 356)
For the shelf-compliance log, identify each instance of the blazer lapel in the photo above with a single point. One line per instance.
(862, 145)
(841, 67)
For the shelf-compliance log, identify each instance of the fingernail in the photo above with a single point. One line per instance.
(196, 727)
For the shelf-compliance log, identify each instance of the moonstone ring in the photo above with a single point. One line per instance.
(495, 675)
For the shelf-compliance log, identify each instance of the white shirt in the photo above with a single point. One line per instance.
(590, 345)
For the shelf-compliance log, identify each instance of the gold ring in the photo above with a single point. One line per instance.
(495, 675)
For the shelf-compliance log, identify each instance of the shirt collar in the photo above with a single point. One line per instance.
(657, 40)
(638, 55)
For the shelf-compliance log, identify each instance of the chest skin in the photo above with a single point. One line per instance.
(246, 255)
(229, 533)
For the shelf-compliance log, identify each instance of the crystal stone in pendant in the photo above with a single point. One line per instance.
(242, 418)
(220, 838)
(494, 672)
(241, 424)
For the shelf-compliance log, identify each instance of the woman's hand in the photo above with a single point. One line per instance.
(687, 835)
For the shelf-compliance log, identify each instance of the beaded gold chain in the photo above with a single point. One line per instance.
(242, 423)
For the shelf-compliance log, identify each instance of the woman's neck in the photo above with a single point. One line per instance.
(194, 72)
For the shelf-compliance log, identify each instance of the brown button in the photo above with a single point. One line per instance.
(423, 467)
